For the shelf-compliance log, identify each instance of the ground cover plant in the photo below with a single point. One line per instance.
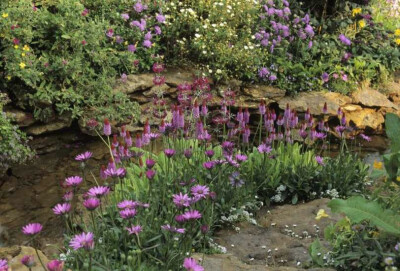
(151, 209)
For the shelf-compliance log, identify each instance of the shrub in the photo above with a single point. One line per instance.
(13, 142)
(61, 54)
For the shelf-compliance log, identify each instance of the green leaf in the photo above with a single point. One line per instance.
(392, 124)
(315, 251)
(359, 209)
(65, 36)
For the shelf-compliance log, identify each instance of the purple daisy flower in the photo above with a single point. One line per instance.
(127, 213)
(325, 77)
(62, 209)
(173, 229)
(235, 180)
(191, 215)
(125, 16)
(119, 172)
(127, 204)
(160, 18)
(147, 43)
(4, 265)
(343, 39)
(27, 260)
(157, 30)
(209, 153)
(190, 264)
(150, 163)
(32, 229)
(139, 7)
(55, 265)
(91, 203)
(181, 200)
(73, 181)
(131, 48)
(241, 157)
(110, 33)
(83, 240)
(134, 229)
(169, 152)
(200, 191)
(263, 148)
(83, 156)
(209, 165)
(98, 191)
(320, 160)
(68, 196)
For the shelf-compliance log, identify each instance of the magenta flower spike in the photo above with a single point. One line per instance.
(32, 229)
(107, 127)
(83, 240)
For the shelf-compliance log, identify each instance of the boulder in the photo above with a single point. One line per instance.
(159, 91)
(371, 98)
(315, 102)
(175, 76)
(365, 118)
(263, 91)
(14, 255)
(21, 118)
(61, 122)
(135, 82)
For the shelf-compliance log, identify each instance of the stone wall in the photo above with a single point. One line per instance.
(364, 108)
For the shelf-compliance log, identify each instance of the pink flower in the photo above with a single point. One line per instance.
(190, 264)
(181, 200)
(320, 160)
(85, 12)
(191, 215)
(4, 265)
(127, 213)
(83, 240)
(150, 174)
(32, 229)
(83, 156)
(98, 191)
(55, 265)
(91, 203)
(134, 229)
(27, 260)
(68, 196)
(111, 172)
(200, 191)
(62, 208)
(127, 204)
(73, 181)
(107, 127)
(173, 229)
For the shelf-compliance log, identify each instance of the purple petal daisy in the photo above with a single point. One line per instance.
(209, 153)
(191, 215)
(169, 152)
(73, 181)
(4, 265)
(83, 240)
(32, 229)
(127, 213)
(62, 209)
(150, 163)
(83, 156)
(173, 229)
(112, 172)
(365, 137)
(134, 229)
(263, 148)
(127, 204)
(91, 203)
(68, 196)
(200, 191)
(190, 264)
(320, 160)
(98, 191)
(241, 157)
(209, 165)
(181, 200)
(150, 174)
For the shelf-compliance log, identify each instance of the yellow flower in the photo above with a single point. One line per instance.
(23, 54)
(125, 43)
(356, 11)
(361, 23)
(378, 165)
(398, 178)
(26, 48)
(16, 46)
(321, 214)
(397, 41)
(4, 15)
(8, 77)
(22, 65)
(397, 32)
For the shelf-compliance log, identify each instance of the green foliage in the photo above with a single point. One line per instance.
(13, 142)
(359, 209)
(56, 58)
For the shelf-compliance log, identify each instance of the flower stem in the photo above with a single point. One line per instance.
(40, 260)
